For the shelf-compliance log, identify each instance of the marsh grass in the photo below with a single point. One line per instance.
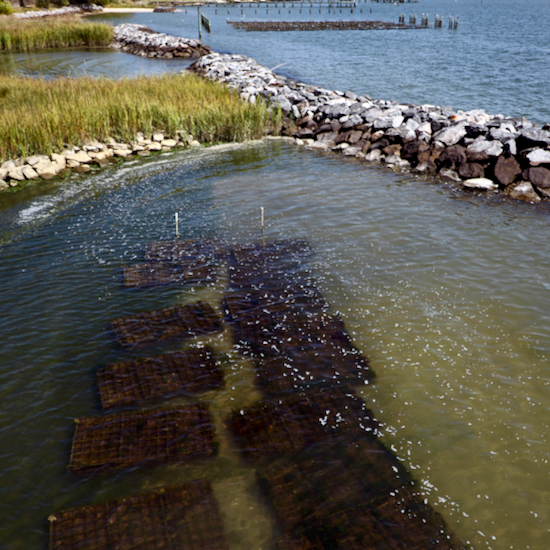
(19, 35)
(44, 116)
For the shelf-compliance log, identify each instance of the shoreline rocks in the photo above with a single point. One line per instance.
(56, 12)
(481, 152)
(141, 40)
(84, 158)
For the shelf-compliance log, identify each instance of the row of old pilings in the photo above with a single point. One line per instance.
(425, 21)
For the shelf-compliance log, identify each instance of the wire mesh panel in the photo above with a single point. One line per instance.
(185, 517)
(140, 438)
(355, 496)
(176, 250)
(186, 271)
(299, 421)
(163, 324)
(133, 382)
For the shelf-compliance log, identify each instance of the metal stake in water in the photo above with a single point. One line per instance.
(262, 223)
(177, 229)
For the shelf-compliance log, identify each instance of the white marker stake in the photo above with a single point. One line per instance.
(176, 225)
(262, 217)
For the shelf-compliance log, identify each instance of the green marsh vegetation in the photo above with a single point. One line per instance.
(39, 116)
(20, 35)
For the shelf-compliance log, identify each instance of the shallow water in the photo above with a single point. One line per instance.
(446, 293)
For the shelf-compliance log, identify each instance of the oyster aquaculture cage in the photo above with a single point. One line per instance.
(354, 496)
(175, 250)
(300, 420)
(171, 322)
(182, 272)
(185, 516)
(141, 438)
(181, 372)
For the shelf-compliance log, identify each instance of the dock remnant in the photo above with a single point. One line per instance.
(141, 438)
(167, 323)
(142, 380)
(185, 516)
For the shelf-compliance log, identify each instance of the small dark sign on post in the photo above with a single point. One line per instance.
(205, 23)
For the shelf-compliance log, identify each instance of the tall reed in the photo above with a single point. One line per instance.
(44, 116)
(26, 35)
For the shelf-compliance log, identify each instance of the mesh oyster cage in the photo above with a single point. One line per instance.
(141, 438)
(185, 516)
(175, 250)
(167, 323)
(353, 496)
(134, 382)
(300, 420)
(331, 477)
(164, 273)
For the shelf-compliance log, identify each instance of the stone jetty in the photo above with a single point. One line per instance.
(141, 40)
(478, 151)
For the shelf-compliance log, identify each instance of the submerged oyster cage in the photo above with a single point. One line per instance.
(134, 382)
(185, 516)
(175, 250)
(164, 273)
(164, 324)
(140, 438)
(354, 496)
(300, 420)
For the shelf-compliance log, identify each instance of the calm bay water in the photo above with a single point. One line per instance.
(446, 293)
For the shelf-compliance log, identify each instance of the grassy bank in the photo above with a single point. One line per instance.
(17, 35)
(44, 116)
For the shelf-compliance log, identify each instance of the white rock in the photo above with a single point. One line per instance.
(168, 142)
(425, 128)
(321, 145)
(16, 173)
(411, 124)
(158, 136)
(3, 173)
(539, 156)
(72, 163)
(35, 159)
(451, 135)
(60, 159)
(374, 155)
(481, 184)
(29, 172)
(80, 157)
(490, 148)
(155, 146)
(449, 174)
(524, 191)
(122, 152)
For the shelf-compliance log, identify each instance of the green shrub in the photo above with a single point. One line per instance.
(43, 4)
(5, 8)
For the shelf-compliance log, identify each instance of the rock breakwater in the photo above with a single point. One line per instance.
(478, 151)
(141, 40)
(58, 12)
(84, 158)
